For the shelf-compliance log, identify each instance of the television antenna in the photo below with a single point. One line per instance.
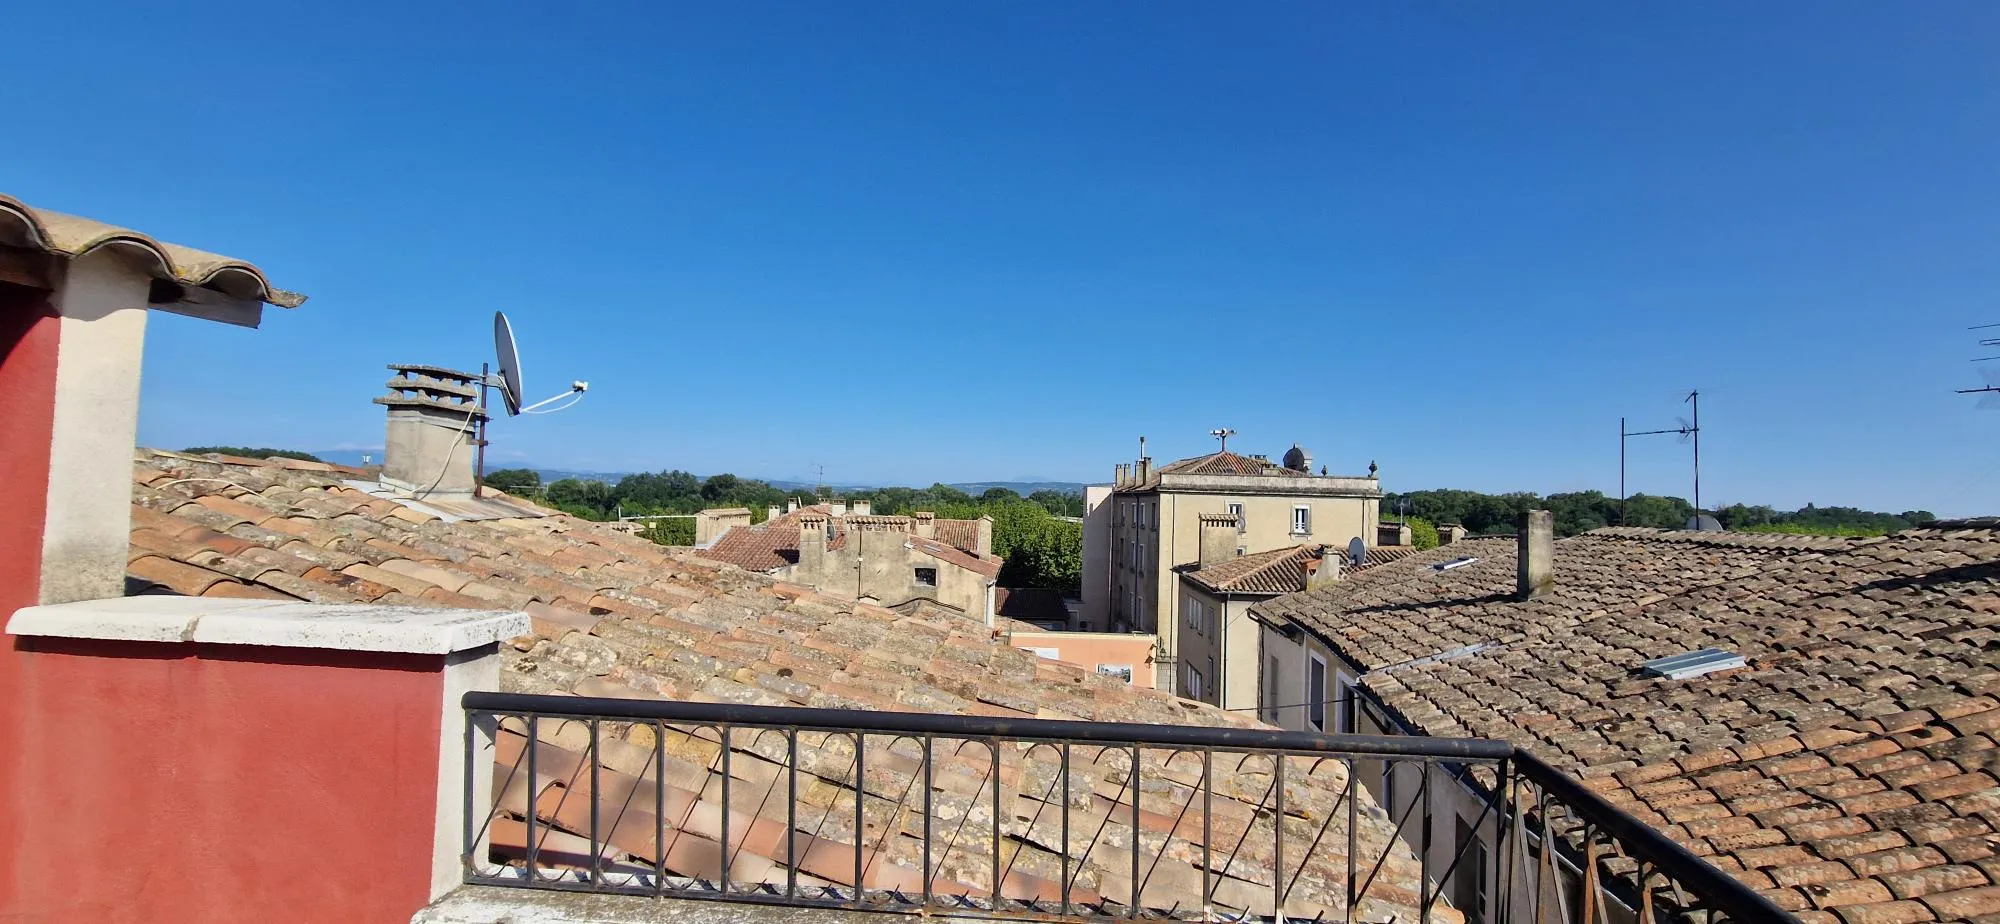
(1223, 434)
(508, 379)
(1989, 395)
(1686, 429)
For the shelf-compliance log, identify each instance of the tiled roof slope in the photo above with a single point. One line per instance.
(1279, 571)
(1408, 609)
(1849, 770)
(775, 544)
(1215, 463)
(615, 615)
(1228, 463)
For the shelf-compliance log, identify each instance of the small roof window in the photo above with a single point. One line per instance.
(1693, 663)
(1459, 562)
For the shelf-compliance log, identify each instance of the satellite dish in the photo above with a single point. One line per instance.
(509, 361)
(1702, 522)
(1357, 552)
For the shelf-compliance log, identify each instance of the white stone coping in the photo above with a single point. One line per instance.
(334, 627)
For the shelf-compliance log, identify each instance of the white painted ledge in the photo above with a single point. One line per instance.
(345, 627)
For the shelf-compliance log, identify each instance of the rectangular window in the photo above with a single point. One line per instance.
(1119, 671)
(1236, 510)
(1302, 520)
(1272, 682)
(1194, 683)
(1468, 887)
(927, 577)
(1315, 692)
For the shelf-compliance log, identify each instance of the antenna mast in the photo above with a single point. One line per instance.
(1685, 430)
(1694, 398)
(1992, 376)
(1223, 434)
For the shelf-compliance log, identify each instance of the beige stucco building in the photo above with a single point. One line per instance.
(1148, 523)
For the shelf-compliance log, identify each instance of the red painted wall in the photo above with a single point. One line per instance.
(28, 334)
(165, 783)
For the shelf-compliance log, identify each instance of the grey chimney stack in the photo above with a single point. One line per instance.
(1331, 562)
(1218, 538)
(771, 513)
(1121, 474)
(860, 508)
(1536, 567)
(812, 542)
(926, 523)
(434, 419)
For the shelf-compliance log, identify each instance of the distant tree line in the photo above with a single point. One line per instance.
(1582, 511)
(1040, 549)
(248, 453)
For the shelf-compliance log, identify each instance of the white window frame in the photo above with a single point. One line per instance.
(1242, 522)
(1316, 702)
(1302, 519)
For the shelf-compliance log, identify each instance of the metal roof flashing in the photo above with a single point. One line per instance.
(1692, 664)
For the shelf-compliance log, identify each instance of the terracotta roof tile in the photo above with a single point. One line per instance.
(1839, 761)
(1278, 571)
(616, 615)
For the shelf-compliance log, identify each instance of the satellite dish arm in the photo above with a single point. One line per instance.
(576, 388)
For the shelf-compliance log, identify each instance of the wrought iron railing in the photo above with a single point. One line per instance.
(999, 816)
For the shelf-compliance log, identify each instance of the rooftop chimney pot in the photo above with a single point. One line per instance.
(1218, 538)
(1536, 540)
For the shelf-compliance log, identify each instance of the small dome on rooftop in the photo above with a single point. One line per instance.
(1297, 459)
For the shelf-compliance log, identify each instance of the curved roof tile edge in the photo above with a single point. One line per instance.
(73, 236)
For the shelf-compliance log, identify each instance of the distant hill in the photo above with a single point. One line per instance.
(1023, 488)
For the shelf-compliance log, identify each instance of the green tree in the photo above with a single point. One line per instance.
(1423, 535)
(592, 500)
(253, 453)
(1059, 503)
(520, 481)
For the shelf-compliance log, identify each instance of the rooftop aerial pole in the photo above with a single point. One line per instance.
(1694, 398)
(1685, 430)
(1223, 434)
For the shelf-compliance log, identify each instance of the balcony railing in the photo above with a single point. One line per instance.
(981, 815)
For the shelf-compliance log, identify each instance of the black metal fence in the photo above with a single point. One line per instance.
(989, 815)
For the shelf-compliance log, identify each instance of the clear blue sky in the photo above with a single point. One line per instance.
(959, 241)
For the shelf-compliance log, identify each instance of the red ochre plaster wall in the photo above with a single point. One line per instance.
(28, 333)
(168, 782)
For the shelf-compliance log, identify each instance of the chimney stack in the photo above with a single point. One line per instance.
(1121, 474)
(771, 513)
(1535, 570)
(1331, 562)
(791, 505)
(1449, 533)
(434, 419)
(812, 542)
(1144, 469)
(838, 506)
(860, 508)
(1392, 534)
(926, 524)
(983, 546)
(1218, 538)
